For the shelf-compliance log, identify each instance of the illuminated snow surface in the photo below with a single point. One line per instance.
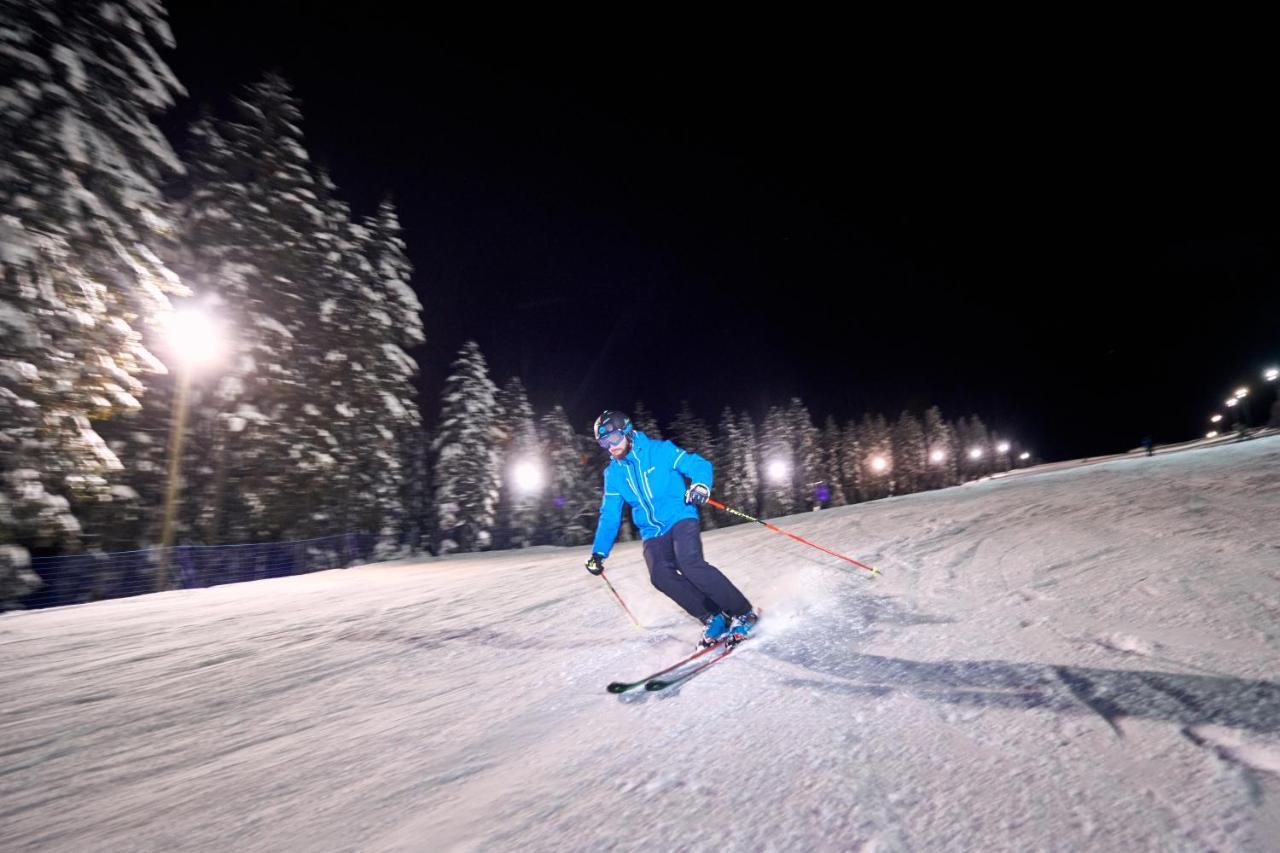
(1078, 659)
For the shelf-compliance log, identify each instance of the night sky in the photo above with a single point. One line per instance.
(1079, 245)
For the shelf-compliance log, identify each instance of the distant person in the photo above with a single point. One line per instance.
(1147, 443)
(649, 475)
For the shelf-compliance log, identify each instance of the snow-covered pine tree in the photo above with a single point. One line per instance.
(729, 473)
(416, 492)
(807, 456)
(832, 467)
(644, 421)
(392, 322)
(852, 463)
(571, 502)
(690, 432)
(778, 465)
(909, 460)
(964, 449)
(749, 462)
(518, 506)
(467, 478)
(877, 457)
(981, 439)
(258, 239)
(939, 442)
(81, 223)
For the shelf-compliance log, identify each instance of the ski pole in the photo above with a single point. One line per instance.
(634, 620)
(741, 514)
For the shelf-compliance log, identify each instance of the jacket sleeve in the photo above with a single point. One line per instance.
(691, 465)
(610, 519)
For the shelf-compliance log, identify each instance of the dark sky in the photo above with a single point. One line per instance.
(1076, 242)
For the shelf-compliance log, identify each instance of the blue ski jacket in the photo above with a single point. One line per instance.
(651, 480)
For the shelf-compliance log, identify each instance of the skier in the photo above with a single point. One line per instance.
(649, 475)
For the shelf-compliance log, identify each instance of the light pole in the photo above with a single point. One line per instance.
(193, 341)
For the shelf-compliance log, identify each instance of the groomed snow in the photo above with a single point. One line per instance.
(1083, 659)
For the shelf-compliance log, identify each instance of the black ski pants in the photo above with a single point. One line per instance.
(678, 570)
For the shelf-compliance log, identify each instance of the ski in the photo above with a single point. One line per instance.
(662, 684)
(624, 686)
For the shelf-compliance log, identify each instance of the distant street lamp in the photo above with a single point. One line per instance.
(527, 476)
(937, 457)
(1213, 433)
(879, 464)
(1271, 374)
(1215, 419)
(975, 453)
(194, 341)
(777, 471)
(1024, 456)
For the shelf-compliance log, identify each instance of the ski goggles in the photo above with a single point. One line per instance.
(611, 439)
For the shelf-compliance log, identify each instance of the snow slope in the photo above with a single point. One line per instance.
(1080, 659)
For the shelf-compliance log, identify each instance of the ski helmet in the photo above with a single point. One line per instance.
(610, 422)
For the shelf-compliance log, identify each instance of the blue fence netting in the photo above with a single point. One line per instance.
(79, 578)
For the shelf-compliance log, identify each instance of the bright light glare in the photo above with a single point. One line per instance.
(527, 476)
(1232, 401)
(1025, 456)
(1213, 433)
(878, 464)
(778, 471)
(1215, 419)
(976, 453)
(193, 336)
(937, 456)
(1003, 447)
(1272, 374)
(1242, 392)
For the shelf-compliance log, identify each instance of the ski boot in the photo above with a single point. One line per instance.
(741, 626)
(717, 625)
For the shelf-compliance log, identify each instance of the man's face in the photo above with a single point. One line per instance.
(621, 449)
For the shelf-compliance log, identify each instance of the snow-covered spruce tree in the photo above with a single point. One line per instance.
(964, 449)
(416, 492)
(877, 457)
(909, 460)
(832, 463)
(256, 239)
(520, 445)
(807, 456)
(738, 481)
(571, 502)
(644, 421)
(691, 433)
(467, 478)
(387, 321)
(81, 221)
(852, 462)
(981, 438)
(749, 459)
(730, 476)
(778, 466)
(939, 442)
(975, 449)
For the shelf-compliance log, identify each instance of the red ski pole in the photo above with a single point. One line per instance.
(741, 514)
(634, 620)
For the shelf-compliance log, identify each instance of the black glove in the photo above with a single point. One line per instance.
(595, 564)
(697, 494)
